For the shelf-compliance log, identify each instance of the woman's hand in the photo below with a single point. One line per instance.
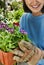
(36, 57)
(24, 52)
(27, 53)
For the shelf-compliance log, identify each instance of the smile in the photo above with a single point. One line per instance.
(35, 6)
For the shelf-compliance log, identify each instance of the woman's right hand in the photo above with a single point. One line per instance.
(27, 53)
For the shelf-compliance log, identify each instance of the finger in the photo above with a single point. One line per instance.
(18, 59)
(18, 52)
(29, 63)
(36, 57)
(22, 46)
(29, 55)
(28, 45)
(25, 46)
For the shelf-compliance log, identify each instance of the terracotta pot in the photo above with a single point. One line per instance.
(1, 57)
(6, 58)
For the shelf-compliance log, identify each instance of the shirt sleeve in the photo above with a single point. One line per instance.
(40, 62)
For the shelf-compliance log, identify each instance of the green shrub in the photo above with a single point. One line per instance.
(14, 15)
(18, 14)
(16, 5)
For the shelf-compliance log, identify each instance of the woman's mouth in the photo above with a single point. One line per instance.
(35, 6)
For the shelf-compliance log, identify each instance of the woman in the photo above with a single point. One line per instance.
(33, 23)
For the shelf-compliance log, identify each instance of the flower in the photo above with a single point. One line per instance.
(10, 36)
(11, 30)
(22, 31)
(3, 25)
(16, 23)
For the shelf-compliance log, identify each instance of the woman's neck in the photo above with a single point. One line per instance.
(37, 14)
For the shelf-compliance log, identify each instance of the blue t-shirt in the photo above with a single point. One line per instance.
(34, 26)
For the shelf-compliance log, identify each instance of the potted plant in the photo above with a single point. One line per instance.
(6, 44)
(9, 38)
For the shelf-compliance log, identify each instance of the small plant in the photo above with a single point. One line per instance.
(10, 36)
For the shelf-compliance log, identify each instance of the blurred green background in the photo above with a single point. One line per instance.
(11, 10)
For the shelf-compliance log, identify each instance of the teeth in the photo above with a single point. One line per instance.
(35, 6)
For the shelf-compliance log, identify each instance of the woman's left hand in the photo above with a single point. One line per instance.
(24, 52)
